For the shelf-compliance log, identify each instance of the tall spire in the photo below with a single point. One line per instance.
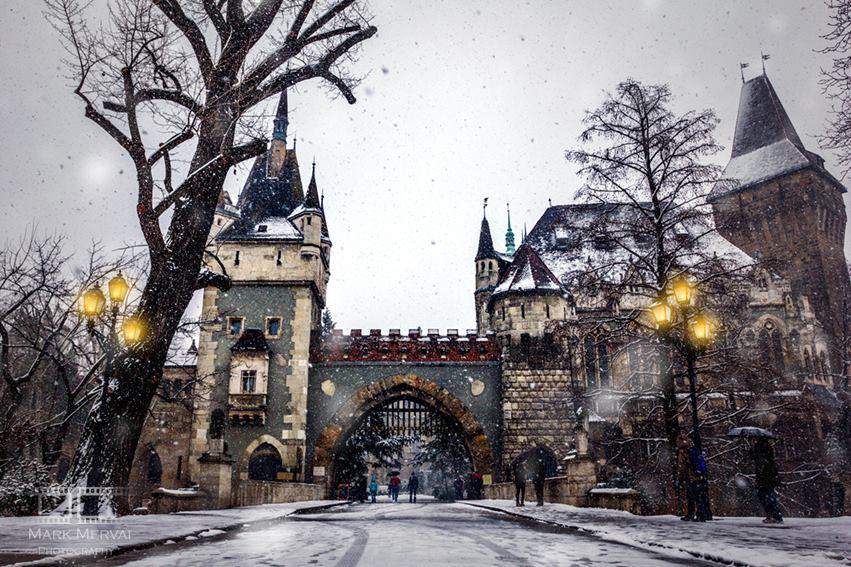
(279, 131)
(509, 234)
(311, 201)
(762, 120)
(486, 249)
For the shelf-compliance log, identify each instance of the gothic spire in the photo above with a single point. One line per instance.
(509, 234)
(311, 201)
(279, 131)
(486, 249)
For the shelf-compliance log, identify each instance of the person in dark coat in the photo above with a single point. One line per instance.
(413, 485)
(767, 480)
(687, 480)
(458, 485)
(538, 481)
(519, 483)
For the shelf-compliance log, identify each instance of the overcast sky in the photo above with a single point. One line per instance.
(462, 99)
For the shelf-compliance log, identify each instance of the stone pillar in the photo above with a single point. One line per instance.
(215, 478)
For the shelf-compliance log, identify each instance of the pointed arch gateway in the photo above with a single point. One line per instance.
(409, 386)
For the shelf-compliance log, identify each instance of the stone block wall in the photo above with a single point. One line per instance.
(537, 409)
(571, 488)
(254, 492)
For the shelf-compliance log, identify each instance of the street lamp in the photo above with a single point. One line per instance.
(692, 331)
(133, 330)
(118, 289)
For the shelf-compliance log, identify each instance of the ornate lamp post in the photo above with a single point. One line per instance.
(692, 331)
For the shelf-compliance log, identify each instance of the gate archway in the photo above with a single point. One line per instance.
(387, 392)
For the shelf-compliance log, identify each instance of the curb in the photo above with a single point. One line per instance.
(121, 549)
(644, 545)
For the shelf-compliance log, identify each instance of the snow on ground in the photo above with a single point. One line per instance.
(806, 542)
(401, 534)
(32, 537)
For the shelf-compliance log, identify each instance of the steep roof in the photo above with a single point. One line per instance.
(266, 228)
(564, 239)
(765, 144)
(486, 249)
(528, 273)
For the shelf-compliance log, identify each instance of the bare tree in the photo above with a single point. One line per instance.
(196, 70)
(836, 81)
(645, 168)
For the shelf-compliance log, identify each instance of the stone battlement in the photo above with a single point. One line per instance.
(415, 346)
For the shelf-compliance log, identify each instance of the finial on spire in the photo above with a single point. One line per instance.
(550, 201)
(742, 67)
(765, 57)
(485, 209)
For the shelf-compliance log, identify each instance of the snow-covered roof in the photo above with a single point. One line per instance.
(528, 273)
(269, 228)
(566, 240)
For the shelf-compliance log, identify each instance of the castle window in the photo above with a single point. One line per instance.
(823, 367)
(278, 261)
(218, 222)
(596, 362)
(309, 219)
(273, 327)
(523, 310)
(808, 362)
(771, 346)
(155, 468)
(503, 312)
(548, 310)
(234, 327)
(249, 381)
(236, 259)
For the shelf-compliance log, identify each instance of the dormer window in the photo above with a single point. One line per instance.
(236, 259)
(263, 228)
(249, 381)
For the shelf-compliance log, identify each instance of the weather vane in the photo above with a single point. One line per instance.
(742, 67)
(765, 57)
(484, 207)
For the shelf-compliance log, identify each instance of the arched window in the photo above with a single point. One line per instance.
(777, 350)
(596, 362)
(808, 362)
(590, 363)
(603, 364)
(823, 367)
(548, 310)
(264, 464)
(155, 468)
(523, 310)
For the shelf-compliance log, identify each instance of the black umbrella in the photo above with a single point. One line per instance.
(750, 432)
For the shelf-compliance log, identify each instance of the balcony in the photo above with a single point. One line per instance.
(247, 409)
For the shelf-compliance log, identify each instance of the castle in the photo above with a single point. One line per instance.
(275, 397)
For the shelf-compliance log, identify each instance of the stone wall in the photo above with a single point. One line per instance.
(571, 488)
(537, 409)
(254, 492)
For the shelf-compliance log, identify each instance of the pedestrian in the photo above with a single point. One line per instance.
(538, 481)
(701, 485)
(687, 479)
(395, 481)
(458, 485)
(373, 487)
(475, 492)
(413, 485)
(767, 480)
(519, 483)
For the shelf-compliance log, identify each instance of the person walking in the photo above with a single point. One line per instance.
(519, 483)
(687, 479)
(767, 480)
(413, 485)
(395, 481)
(538, 481)
(373, 487)
(458, 485)
(698, 463)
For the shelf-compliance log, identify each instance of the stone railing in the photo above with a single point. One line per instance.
(413, 347)
(253, 492)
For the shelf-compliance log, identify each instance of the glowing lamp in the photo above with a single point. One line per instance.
(133, 330)
(662, 314)
(683, 291)
(92, 303)
(702, 330)
(118, 289)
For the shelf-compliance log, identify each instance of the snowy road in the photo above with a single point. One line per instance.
(401, 534)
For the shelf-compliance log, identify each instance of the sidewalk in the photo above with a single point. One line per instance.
(810, 542)
(31, 539)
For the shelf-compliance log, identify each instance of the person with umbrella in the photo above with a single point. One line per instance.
(767, 480)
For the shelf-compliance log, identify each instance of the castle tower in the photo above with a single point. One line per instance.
(784, 207)
(487, 274)
(253, 355)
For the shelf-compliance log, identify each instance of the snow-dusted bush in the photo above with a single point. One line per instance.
(20, 484)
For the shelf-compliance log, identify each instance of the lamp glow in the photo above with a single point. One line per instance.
(133, 330)
(683, 290)
(92, 303)
(118, 289)
(662, 314)
(702, 330)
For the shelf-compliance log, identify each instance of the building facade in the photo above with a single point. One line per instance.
(275, 396)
